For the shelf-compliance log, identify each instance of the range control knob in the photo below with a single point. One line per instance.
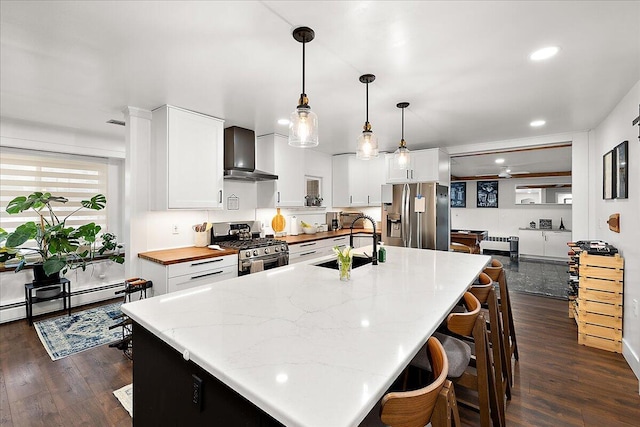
(282, 248)
(255, 252)
(276, 249)
(248, 253)
(266, 250)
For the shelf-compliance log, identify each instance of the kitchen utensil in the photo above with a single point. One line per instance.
(278, 222)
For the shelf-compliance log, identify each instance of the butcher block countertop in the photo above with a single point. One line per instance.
(177, 255)
(301, 238)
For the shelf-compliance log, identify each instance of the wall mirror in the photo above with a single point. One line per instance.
(543, 194)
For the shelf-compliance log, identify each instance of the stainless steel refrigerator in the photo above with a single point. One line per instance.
(416, 223)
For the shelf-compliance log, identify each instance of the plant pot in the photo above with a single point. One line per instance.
(40, 278)
(49, 291)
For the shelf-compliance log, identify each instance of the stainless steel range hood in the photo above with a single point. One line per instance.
(240, 156)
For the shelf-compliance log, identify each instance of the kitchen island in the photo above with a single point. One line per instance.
(292, 345)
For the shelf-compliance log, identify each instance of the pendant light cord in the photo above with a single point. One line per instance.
(367, 119)
(402, 124)
(303, 59)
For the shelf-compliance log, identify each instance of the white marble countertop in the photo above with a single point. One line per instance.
(305, 347)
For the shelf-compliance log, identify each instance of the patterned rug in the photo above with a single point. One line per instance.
(125, 396)
(67, 335)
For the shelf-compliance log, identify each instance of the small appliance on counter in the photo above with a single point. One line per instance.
(333, 221)
(348, 217)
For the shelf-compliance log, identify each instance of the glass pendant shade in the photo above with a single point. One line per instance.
(303, 128)
(367, 146)
(402, 157)
(303, 123)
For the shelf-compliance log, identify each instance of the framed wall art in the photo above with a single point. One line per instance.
(608, 175)
(487, 194)
(458, 194)
(621, 156)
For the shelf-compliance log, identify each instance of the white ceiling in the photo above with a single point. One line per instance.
(547, 160)
(463, 66)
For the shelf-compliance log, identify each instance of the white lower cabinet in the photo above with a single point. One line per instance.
(186, 275)
(543, 243)
(304, 251)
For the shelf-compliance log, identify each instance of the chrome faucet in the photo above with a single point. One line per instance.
(374, 255)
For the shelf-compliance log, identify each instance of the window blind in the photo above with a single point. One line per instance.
(77, 178)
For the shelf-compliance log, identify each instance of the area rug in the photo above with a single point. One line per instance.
(67, 335)
(125, 396)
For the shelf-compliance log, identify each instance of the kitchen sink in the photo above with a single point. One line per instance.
(357, 262)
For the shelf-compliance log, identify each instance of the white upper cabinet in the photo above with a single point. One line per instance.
(288, 164)
(186, 160)
(430, 165)
(357, 182)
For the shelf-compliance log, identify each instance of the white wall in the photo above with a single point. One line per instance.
(509, 216)
(35, 136)
(612, 131)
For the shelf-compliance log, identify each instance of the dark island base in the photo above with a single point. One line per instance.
(163, 391)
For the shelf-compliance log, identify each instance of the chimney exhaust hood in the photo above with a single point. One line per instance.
(240, 156)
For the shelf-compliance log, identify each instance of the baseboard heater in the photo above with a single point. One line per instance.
(495, 243)
(73, 293)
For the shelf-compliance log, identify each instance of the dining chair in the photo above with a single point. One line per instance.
(497, 273)
(459, 247)
(474, 372)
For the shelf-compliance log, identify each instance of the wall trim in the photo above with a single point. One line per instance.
(632, 359)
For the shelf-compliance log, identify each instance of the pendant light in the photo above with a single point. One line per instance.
(367, 141)
(401, 157)
(303, 125)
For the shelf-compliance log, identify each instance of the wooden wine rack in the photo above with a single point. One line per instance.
(599, 302)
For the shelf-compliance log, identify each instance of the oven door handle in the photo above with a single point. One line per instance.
(266, 260)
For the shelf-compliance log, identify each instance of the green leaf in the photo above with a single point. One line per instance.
(17, 205)
(96, 203)
(24, 232)
(53, 265)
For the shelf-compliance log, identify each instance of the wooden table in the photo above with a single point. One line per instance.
(469, 238)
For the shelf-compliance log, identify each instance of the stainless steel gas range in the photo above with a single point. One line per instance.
(254, 253)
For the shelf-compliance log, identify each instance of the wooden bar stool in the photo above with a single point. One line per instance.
(417, 408)
(459, 247)
(496, 272)
(486, 294)
(464, 371)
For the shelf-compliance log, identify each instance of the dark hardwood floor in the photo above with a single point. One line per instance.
(558, 382)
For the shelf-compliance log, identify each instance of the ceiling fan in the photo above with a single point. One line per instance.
(505, 172)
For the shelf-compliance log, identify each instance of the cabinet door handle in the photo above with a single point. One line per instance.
(308, 244)
(411, 173)
(368, 202)
(195, 264)
(278, 197)
(220, 196)
(205, 275)
(407, 174)
(350, 200)
(339, 238)
(308, 253)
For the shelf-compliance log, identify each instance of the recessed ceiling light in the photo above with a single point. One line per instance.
(537, 123)
(544, 53)
(499, 161)
(283, 121)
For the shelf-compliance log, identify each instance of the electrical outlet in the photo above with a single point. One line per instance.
(635, 308)
(174, 229)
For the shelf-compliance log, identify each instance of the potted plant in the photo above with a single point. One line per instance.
(60, 247)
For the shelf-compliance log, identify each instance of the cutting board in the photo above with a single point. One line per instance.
(278, 223)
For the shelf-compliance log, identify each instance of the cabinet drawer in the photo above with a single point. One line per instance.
(199, 266)
(305, 255)
(306, 247)
(201, 278)
(338, 241)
